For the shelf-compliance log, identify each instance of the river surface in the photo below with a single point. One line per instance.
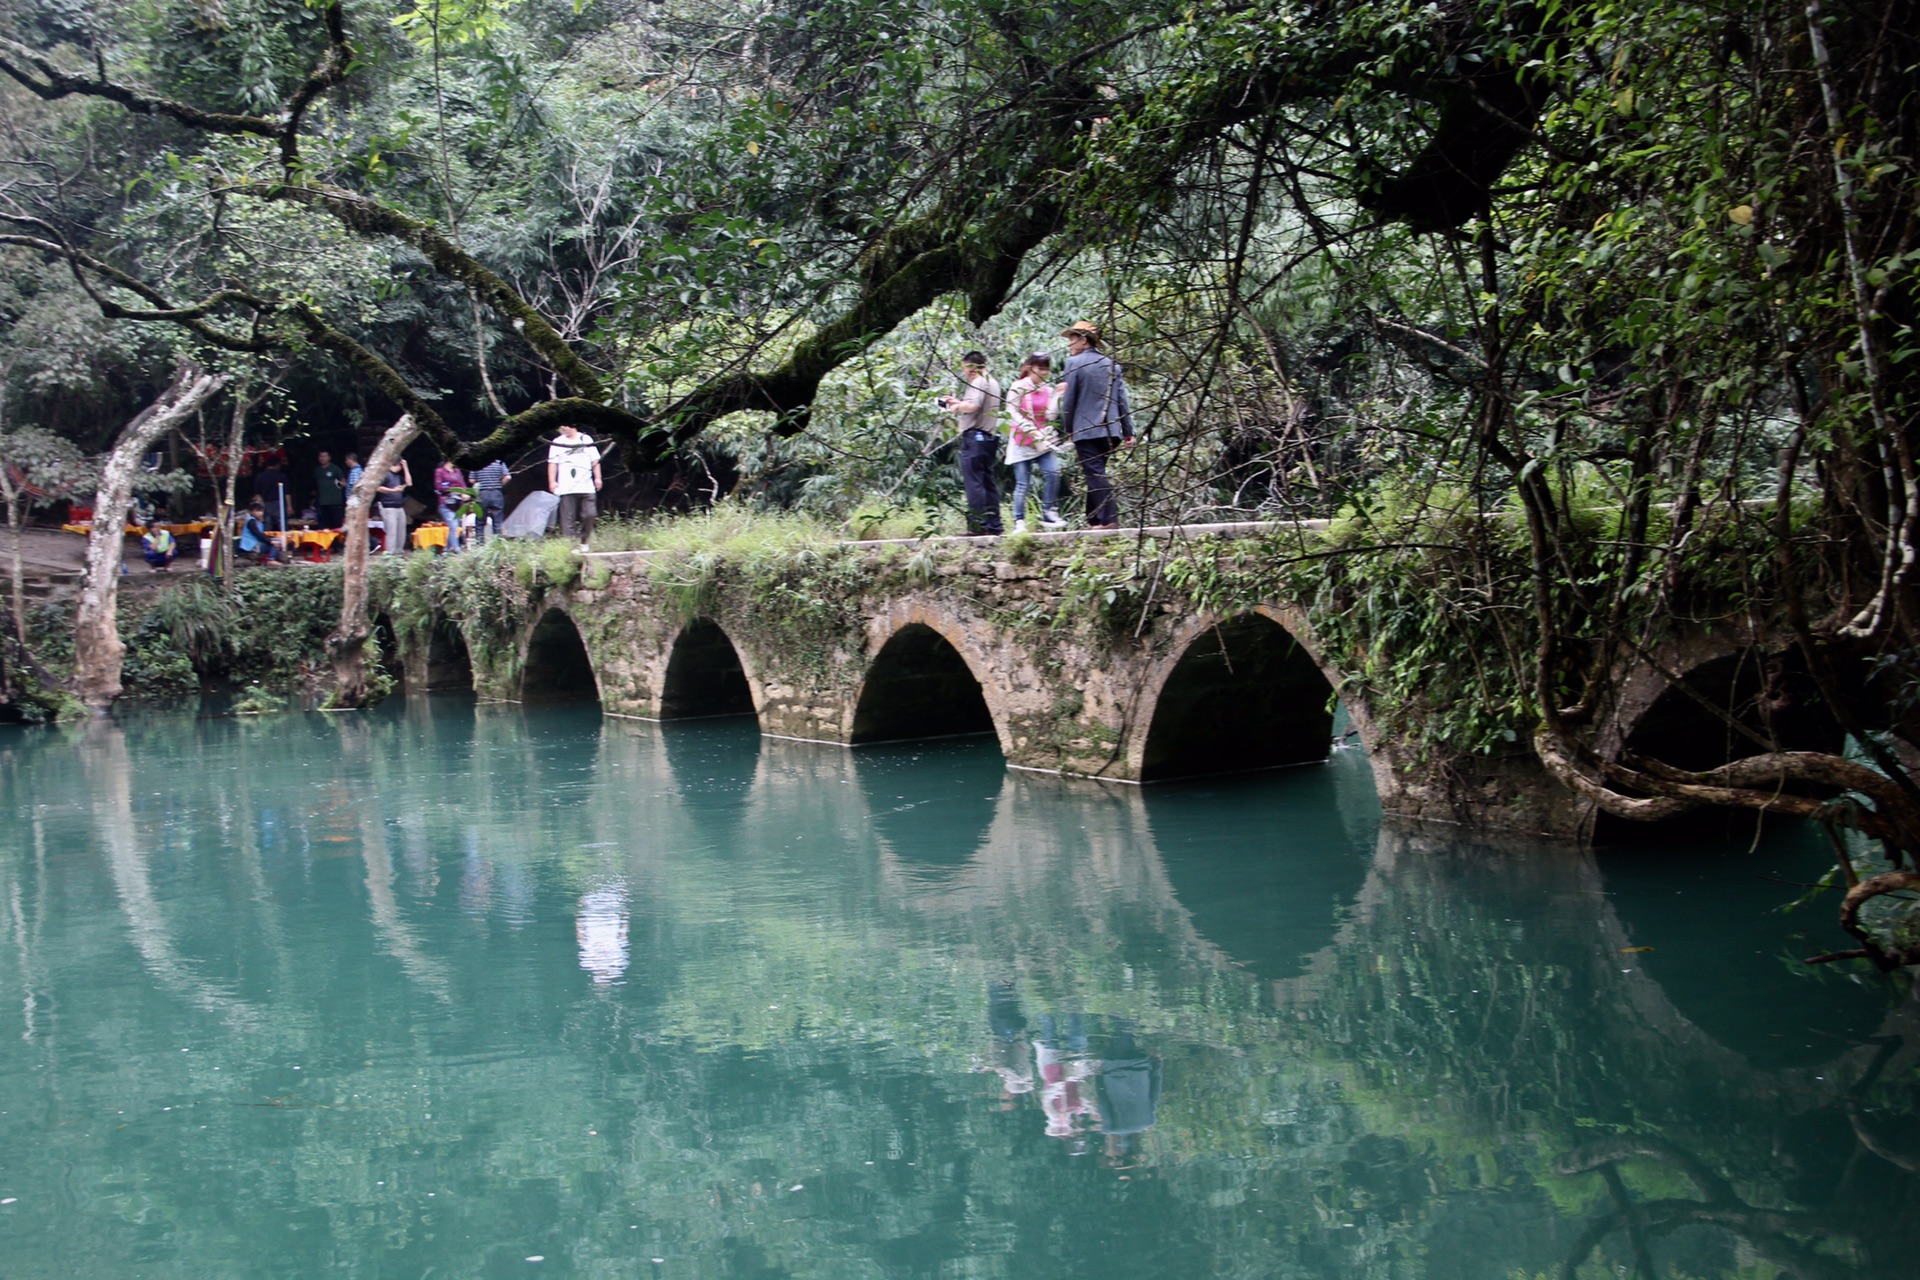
(466, 991)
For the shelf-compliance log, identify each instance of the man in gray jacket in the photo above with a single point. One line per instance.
(1097, 416)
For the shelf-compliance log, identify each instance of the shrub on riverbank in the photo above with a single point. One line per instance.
(268, 629)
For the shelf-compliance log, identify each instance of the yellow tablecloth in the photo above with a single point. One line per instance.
(86, 530)
(317, 541)
(430, 535)
(191, 529)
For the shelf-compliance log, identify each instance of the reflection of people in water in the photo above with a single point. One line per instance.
(1111, 1087)
(1128, 1092)
(601, 929)
(1064, 1069)
(1008, 1052)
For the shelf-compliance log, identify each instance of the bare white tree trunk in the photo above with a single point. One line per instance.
(97, 651)
(243, 407)
(19, 594)
(16, 570)
(347, 646)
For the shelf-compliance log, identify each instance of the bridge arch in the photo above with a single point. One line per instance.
(705, 676)
(1726, 705)
(926, 679)
(554, 663)
(1700, 706)
(449, 664)
(1237, 692)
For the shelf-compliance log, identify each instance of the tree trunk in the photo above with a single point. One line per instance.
(16, 571)
(97, 651)
(347, 646)
(226, 504)
(19, 597)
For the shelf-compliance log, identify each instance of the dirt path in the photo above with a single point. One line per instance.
(52, 553)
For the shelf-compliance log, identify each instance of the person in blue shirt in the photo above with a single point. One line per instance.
(254, 541)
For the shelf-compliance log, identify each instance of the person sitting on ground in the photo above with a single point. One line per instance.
(573, 475)
(254, 541)
(159, 547)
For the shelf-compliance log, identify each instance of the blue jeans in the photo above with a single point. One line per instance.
(493, 506)
(1049, 464)
(452, 521)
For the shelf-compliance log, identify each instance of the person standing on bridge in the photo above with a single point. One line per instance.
(1096, 415)
(573, 476)
(978, 411)
(1031, 442)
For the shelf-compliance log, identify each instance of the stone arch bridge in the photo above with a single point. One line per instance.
(887, 641)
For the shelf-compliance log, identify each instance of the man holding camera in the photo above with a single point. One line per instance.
(979, 413)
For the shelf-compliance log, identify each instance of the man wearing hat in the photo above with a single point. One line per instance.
(1097, 416)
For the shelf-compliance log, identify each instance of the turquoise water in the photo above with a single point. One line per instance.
(446, 990)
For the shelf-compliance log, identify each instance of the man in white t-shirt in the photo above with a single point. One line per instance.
(573, 475)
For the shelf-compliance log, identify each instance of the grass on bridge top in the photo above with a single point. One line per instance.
(741, 530)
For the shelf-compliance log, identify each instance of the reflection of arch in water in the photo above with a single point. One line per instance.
(1454, 927)
(714, 764)
(556, 667)
(449, 667)
(704, 676)
(1046, 893)
(1269, 869)
(1726, 707)
(1664, 893)
(921, 684)
(930, 805)
(1238, 694)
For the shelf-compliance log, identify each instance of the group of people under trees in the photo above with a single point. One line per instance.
(573, 477)
(1089, 405)
(1088, 408)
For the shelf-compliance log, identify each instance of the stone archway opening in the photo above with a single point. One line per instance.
(704, 677)
(449, 666)
(557, 667)
(1726, 709)
(1245, 695)
(387, 641)
(919, 687)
